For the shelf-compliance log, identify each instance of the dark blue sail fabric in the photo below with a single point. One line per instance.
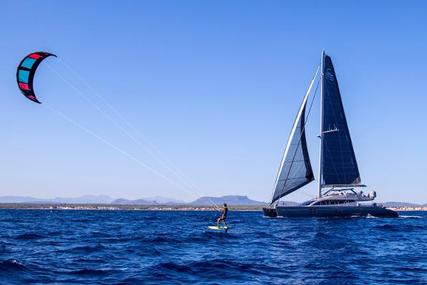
(339, 166)
(295, 170)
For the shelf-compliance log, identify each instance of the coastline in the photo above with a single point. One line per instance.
(409, 209)
(116, 207)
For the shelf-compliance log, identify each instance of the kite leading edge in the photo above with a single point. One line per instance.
(25, 73)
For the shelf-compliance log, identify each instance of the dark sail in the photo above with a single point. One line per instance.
(339, 166)
(295, 170)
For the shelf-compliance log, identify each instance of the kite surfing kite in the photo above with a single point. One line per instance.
(25, 73)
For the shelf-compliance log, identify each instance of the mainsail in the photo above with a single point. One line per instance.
(295, 169)
(339, 166)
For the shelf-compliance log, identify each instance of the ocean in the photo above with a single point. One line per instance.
(168, 247)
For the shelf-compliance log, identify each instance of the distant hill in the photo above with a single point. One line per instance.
(400, 204)
(164, 200)
(234, 200)
(288, 203)
(18, 199)
(92, 199)
(86, 199)
(156, 200)
(131, 202)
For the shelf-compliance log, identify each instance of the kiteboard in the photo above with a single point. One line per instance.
(220, 228)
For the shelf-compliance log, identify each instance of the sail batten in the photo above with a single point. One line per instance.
(339, 165)
(295, 169)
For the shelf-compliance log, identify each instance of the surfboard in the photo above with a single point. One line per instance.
(220, 228)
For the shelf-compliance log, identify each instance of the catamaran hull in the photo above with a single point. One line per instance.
(333, 211)
(270, 212)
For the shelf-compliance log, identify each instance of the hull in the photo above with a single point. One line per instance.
(270, 212)
(330, 211)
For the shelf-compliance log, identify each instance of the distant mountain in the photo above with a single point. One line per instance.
(18, 199)
(288, 203)
(92, 199)
(131, 202)
(163, 200)
(86, 199)
(234, 200)
(156, 200)
(400, 204)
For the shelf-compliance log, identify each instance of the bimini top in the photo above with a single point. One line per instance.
(25, 73)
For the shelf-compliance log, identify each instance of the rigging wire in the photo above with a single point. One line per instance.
(115, 147)
(149, 146)
(306, 121)
(105, 141)
(165, 163)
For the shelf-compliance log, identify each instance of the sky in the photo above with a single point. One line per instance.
(190, 98)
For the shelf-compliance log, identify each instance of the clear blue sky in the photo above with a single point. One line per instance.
(214, 86)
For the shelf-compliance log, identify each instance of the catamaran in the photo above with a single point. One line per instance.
(339, 175)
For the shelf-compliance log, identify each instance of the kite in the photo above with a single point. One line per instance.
(25, 73)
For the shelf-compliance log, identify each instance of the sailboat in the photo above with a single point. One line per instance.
(339, 178)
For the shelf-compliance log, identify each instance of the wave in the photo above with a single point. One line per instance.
(156, 239)
(410, 217)
(29, 236)
(12, 265)
(124, 249)
(322, 235)
(86, 248)
(93, 272)
(213, 267)
(99, 234)
(399, 227)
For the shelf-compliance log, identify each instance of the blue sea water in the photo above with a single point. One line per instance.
(149, 247)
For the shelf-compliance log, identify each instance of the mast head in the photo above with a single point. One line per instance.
(322, 61)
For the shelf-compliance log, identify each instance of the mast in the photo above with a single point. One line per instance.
(321, 123)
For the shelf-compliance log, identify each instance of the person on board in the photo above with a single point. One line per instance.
(223, 215)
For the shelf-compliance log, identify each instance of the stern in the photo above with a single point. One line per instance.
(270, 212)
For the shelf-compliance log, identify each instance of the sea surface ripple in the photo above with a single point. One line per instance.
(165, 247)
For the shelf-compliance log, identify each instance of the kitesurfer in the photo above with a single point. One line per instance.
(223, 215)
